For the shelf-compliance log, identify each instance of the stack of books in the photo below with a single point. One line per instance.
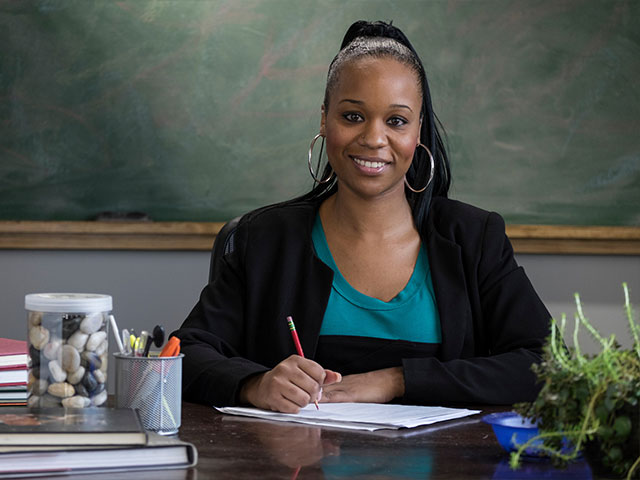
(57, 441)
(13, 372)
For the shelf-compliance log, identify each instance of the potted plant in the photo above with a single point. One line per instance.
(588, 403)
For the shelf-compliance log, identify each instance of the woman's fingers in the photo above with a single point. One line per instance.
(378, 386)
(331, 377)
(293, 383)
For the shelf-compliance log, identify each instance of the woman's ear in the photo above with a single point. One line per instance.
(323, 121)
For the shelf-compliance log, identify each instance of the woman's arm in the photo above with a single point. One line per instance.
(504, 338)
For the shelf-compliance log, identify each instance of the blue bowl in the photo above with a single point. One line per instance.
(512, 430)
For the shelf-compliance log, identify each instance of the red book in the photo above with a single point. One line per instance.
(13, 354)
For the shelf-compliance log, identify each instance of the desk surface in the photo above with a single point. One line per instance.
(239, 448)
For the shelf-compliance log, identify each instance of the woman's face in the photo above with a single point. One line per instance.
(372, 125)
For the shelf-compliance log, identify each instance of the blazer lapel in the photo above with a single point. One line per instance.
(449, 286)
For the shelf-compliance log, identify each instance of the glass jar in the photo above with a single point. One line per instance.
(68, 349)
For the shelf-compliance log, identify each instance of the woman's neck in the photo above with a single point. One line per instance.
(381, 217)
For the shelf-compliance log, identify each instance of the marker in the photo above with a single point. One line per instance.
(296, 342)
(141, 343)
(172, 348)
(126, 341)
(132, 340)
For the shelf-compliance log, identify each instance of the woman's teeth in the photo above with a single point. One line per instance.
(365, 163)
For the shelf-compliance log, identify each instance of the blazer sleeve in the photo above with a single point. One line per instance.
(212, 338)
(510, 325)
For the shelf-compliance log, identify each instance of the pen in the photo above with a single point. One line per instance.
(116, 333)
(296, 342)
(156, 337)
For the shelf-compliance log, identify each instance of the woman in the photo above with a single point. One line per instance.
(398, 293)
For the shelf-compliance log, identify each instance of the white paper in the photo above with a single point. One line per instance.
(359, 416)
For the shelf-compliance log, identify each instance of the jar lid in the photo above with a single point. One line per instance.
(68, 302)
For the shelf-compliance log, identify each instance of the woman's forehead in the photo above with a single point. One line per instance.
(385, 75)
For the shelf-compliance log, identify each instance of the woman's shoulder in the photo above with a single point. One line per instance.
(455, 218)
(442, 206)
(280, 217)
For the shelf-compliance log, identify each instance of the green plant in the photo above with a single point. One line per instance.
(588, 402)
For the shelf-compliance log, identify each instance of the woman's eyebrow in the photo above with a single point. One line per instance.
(360, 102)
(350, 100)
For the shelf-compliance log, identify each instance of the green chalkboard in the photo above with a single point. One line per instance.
(200, 110)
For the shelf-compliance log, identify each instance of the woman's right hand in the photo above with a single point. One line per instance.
(292, 384)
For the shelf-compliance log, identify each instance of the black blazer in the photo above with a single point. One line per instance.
(493, 323)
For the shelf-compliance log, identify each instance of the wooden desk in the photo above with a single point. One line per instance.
(243, 448)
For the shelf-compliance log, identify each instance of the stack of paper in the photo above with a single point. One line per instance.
(13, 372)
(359, 416)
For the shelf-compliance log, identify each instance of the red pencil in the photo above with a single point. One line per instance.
(296, 342)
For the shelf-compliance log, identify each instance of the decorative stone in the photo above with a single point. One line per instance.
(100, 387)
(81, 390)
(48, 400)
(53, 323)
(34, 319)
(104, 359)
(38, 336)
(52, 350)
(70, 358)
(34, 356)
(99, 399)
(100, 376)
(91, 323)
(90, 361)
(89, 381)
(41, 371)
(95, 339)
(78, 340)
(56, 372)
(62, 390)
(33, 401)
(75, 402)
(102, 348)
(70, 324)
(39, 387)
(75, 376)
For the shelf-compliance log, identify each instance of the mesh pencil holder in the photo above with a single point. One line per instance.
(153, 386)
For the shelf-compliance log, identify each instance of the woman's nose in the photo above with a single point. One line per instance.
(373, 135)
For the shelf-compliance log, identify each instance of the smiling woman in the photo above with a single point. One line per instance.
(372, 125)
(399, 294)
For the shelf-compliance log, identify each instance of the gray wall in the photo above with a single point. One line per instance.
(161, 287)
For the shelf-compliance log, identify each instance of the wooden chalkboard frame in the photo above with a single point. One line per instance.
(55, 235)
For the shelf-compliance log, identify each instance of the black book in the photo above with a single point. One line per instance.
(72, 426)
(169, 456)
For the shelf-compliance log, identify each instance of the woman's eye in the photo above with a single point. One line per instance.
(352, 117)
(397, 121)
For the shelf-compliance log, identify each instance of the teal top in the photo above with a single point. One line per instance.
(412, 315)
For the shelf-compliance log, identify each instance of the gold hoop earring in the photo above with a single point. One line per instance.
(313, 175)
(433, 169)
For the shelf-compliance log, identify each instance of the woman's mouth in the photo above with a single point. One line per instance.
(369, 164)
